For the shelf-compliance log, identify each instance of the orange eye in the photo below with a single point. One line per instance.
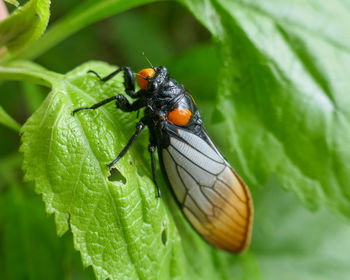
(179, 116)
(143, 75)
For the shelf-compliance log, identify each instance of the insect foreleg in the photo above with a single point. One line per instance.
(151, 149)
(140, 125)
(121, 102)
(129, 81)
(99, 104)
(124, 104)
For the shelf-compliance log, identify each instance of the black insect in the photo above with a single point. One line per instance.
(208, 190)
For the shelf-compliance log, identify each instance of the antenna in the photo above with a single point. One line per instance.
(149, 62)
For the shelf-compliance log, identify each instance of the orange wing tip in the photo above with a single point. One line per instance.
(232, 233)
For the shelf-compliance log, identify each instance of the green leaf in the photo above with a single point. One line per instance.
(29, 247)
(24, 26)
(117, 226)
(282, 99)
(8, 121)
(29, 72)
(82, 16)
(13, 2)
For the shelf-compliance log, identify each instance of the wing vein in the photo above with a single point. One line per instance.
(193, 161)
(234, 192)
(178, 135)
(234, 220)
(224, 198)
(187, 193)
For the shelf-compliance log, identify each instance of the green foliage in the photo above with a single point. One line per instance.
(281, 73)
(107, 218)
(83, 15)
(293, 243)
(24, 26)
(6, 119)
(39, 252)
(283, 113)
(13, 2)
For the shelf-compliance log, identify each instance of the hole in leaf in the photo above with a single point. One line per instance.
(116, 176)
(164, 235)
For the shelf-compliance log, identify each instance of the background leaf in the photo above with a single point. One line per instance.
(29, 247)
(13, 2)
(292, 243)
(281, 97)
(6, 120)
(86, 13)
(24, 25)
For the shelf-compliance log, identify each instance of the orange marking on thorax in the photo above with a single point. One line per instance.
(179, 116)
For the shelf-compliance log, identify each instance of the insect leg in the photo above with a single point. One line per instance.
(129, 81)
(122, 103)
(151, 149)
(140, 125)
(99, 104)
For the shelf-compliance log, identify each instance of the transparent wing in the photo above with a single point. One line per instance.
(213, 197)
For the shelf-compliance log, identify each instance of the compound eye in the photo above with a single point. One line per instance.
(179, 116)
(142, 77)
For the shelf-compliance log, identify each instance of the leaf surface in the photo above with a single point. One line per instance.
(25, 25)
(282, 100)
(13, 2)
(117, 226)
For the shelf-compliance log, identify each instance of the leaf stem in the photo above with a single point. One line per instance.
(82, 16)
